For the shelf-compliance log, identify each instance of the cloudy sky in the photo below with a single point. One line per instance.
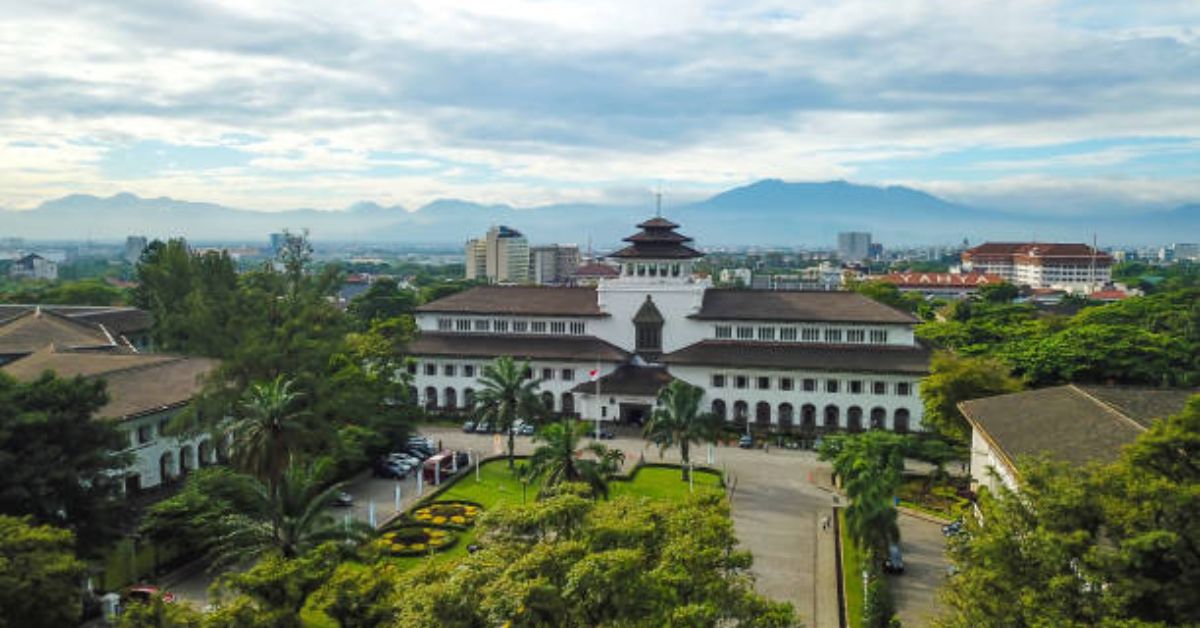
(1023, 104)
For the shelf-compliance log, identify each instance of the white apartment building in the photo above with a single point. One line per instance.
(806, 361)
(501, 256)
(1062, 266)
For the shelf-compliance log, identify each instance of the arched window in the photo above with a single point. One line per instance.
(900, 421)
(568, 403)
(854, 419)
(548, 401)
(832, 416)
(204, 452)
(786, 416)
(430, 398)
(166, 467)
(450, 399)
(878, 416)
(718, 408)
(468, 398)
(808, 417)
(741, 412)
(762, 414)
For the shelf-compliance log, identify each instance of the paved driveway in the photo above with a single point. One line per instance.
(925, 563)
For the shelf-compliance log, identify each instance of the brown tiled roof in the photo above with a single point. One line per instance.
(519, 300)
(531, 347)
(1070, 424)
(138, 384)
(596, 269)
(1035, 251)
(630, 379)
(796, 305)
(854, 358)
(37, 328)
(118, 320)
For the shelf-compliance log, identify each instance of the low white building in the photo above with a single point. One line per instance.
(1076, 424)
(33, 266)
(807, 361)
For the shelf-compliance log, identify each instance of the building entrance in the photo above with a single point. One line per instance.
(635, 413)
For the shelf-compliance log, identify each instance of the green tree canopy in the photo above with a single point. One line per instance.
(953, 379)
(678, 421)
(508, 392)
(40, 578)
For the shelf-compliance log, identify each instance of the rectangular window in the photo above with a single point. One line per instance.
(903, 389)
(879, 388)
(431, 369)
(538, 327)
(445, 324)
(879, 336)
(856, 387)
(718, 381)
(740, 381)
(745, 333)
(766, 333)
(764, 383)
(578, 328)
(856, 335)
(468, 370)
(547, 374)
(462, 324)
(786, 383)
(482, 325)
(787, 334)
(162, 427)
(412, 368)
(810, 334)
(500, 326)
(831, 385)
(568, 375)
(810, 385)
(558, 327)
(448, 370)
(724, 332)
(833, 335)
(145, 434)
(520, 327)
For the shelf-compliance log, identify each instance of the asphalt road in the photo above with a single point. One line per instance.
(925, 564)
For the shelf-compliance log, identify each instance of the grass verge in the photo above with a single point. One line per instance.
(852, 569)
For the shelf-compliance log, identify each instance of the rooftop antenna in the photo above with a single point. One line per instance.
(658, 202)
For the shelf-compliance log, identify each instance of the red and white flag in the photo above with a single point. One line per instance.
(594, 374)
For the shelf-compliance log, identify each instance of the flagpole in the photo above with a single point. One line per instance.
(596, 436)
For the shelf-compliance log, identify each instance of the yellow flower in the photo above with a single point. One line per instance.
(439, 520)
(417, 546)
(458, 519)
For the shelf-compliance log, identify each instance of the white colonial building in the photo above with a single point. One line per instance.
(778, 360)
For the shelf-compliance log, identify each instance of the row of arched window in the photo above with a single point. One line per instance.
(786, 417)
(450, 400)
(172, 466)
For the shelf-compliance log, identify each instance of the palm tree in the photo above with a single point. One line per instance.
(871, 517)
(291, 519)
(508, 393)
(558, 460)
(678, 420)
(268, 430)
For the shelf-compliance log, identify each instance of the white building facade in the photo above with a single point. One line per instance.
(797, 361)
(1063, 266)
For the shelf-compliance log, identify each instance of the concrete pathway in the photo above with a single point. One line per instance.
(925, 564)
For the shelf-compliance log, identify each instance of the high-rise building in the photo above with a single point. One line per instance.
(854, 246)
(505, 254)
(553, 264)
(134, 245)
(277, 242)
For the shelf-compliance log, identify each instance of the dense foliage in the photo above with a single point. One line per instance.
(559, 458)
(953, 379)
(39, 575)
(508, 393)
(1117, 545)
(63, 292)
(56, 460)
(1152, 340)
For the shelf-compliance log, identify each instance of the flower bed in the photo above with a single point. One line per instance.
(456, 514)
(417, 540)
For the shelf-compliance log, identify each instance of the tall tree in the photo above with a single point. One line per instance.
(508, 392)
(953, 379)
(40, 578)
(560, 458)
(383, 300)
(268, 430)
(678, 421)
(57, 463)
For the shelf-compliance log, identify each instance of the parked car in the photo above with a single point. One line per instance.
(343, 499)
(603, 434)
(526, 429)
(385, 468)
(463, 459)
(417, 452)
(746, 441)
(469, 426)
(894, 563)
(144, 594)
(483, 428)
(952, 528)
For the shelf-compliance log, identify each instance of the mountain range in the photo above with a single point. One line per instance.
(767, 213)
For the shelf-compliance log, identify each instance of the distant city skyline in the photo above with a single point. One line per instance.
(1048, 107)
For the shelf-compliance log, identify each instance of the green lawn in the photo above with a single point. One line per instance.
(851, 573)
(664, 483)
